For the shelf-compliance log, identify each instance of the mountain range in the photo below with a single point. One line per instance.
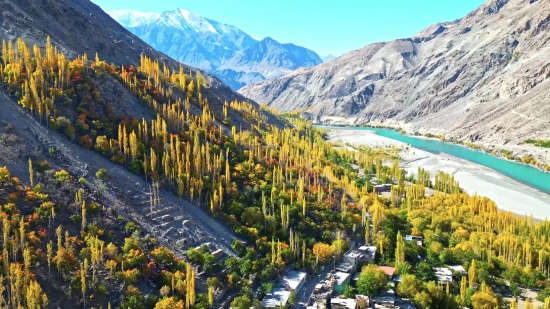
(482, 78)
(224, 50)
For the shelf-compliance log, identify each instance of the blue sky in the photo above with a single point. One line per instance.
(325, 26)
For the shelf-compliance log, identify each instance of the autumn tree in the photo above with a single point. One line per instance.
(322, 252)
(409, 286)
(472, 274)
(399, 250)
(484, 298)
(169, 303)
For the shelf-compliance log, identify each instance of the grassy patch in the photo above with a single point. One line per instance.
(538, 143)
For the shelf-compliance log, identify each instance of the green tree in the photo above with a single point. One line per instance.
(349, 291)
(267, 287)
(214, 282)
(423, 299)
(424, 272)
(399, 250)
(253, 217)
(241, 302)
(409, 286)
(371, 280)
(292, 298)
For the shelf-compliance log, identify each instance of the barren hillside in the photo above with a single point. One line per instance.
(483, 78)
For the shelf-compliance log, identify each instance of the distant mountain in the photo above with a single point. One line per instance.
(185, 36)
(328, 57)
(266, 59)
(224, 50)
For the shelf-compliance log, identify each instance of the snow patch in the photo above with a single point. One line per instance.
(132, 18)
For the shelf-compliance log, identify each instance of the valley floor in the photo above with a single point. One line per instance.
(508, 194)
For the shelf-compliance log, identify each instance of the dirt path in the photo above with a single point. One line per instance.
(176, 223)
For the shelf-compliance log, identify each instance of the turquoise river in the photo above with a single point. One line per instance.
(523, 173)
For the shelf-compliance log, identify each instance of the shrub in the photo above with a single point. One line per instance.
(75, 219)
(62, 176)
(131, 227)
(101, 174)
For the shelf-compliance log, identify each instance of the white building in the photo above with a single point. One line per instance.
(343, 303)
(369, 253)
(353, 258)
(293, 281)
(457, 269)
(417, 239)
(443, 274)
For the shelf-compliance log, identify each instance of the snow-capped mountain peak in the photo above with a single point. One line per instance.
(132, 18)
(185, 19)
(219, 48)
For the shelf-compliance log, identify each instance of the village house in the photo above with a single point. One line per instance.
(457, 269)
(388, 270)
(353, 257)
(293, 281)
(368, 254)
(342, 280)
(343, 302)
(443, 274)
(417, 239)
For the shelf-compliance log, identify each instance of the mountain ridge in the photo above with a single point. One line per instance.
(463, 79)
(222, 49)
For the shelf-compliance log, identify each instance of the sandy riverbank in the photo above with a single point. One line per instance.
(507, 193)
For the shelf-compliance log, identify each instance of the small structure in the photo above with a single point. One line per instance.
(353, 258)
(380, 188)
(388, 270)
(321, 294)
(443, 274)
(218, 254)
(386, 299)
(417, 239)
(293, 281)
(276, 298)
(343, 303)
(457, 269)
(368, 252)
(342, 280)
(346, 268)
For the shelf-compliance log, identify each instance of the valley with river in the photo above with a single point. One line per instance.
(514, 187)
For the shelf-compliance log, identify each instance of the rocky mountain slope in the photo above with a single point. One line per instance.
(483, 78)
(96, 31)
(226, 51)
(263, 60)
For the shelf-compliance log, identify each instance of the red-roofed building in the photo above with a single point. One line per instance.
(388, 270)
